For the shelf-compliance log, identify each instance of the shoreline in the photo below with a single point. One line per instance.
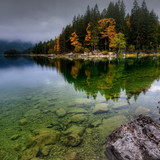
(78, 55)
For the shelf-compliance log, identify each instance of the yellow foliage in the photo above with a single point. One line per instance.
(57, 45)
(128, 22)
(74, 39)
(107, 29)
(58, 65)
(78, 47)
(75, 69)
(50, 51)
(88, 36)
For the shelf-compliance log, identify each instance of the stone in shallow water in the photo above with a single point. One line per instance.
(23, 122)
(72, 140)
(17, 147)
(100, 108)
(142, 110)
(32, 112)
(77, 110)
(82, 101)
(71, 156)
(108, 125)
(96, 123)
(75, 130)
(137, 140)
(78, 118)
(39, 139)
(119, 105)
(15, 137)
(61, 112)
(46, 149)
(30, 154)
(45, 137)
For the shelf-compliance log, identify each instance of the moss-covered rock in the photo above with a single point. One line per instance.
(61, 112)
(96, 123)
(108, 125)
(32, 112)
(78, 111)
(23, 122)
(45, 150)
(71, 156)
(75, 130)
(45, 137)
(78, 118)
(17, 147)
(31, 153)
(37, 142)
(72, 140)
(15, 137)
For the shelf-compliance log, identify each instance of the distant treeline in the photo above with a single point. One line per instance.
(111, 30)
(14, 45)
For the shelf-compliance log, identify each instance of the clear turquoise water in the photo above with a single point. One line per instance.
(33, 90)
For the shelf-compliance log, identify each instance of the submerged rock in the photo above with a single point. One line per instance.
(78, 118)
(72, 140)
(109, 124)
(100, 108)
(61, 112)
(23, 122)
(75, 130)
(17, 147)
(45, 137)
(15, 137)
(71, 156)
(96, 123)
(137, 140)
(142, 110)
(38, 143)
(120, 105)
(77, 110)
(32, 112)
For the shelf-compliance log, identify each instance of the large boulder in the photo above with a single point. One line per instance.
(137, 140)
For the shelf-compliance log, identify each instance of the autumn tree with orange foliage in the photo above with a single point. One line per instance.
(75, 42)
(88, 36)
(57, 45)
(107, 30)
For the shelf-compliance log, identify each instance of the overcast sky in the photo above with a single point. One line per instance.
(35, 20)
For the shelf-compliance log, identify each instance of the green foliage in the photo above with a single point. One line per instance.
(119, 41)
(131, 48)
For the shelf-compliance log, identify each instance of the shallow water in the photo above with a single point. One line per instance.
(60, 98)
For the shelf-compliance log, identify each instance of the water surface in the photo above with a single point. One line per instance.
(58, 98)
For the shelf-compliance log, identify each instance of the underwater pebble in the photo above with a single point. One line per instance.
(72, 140)
(61, 112)
(71, 156)
(23, 122)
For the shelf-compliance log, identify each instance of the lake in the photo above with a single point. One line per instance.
(55, 109)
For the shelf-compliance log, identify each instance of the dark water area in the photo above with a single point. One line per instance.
(61, 108)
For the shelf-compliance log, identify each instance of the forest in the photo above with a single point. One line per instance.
(110, 30)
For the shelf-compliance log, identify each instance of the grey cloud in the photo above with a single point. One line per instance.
(35, 20)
